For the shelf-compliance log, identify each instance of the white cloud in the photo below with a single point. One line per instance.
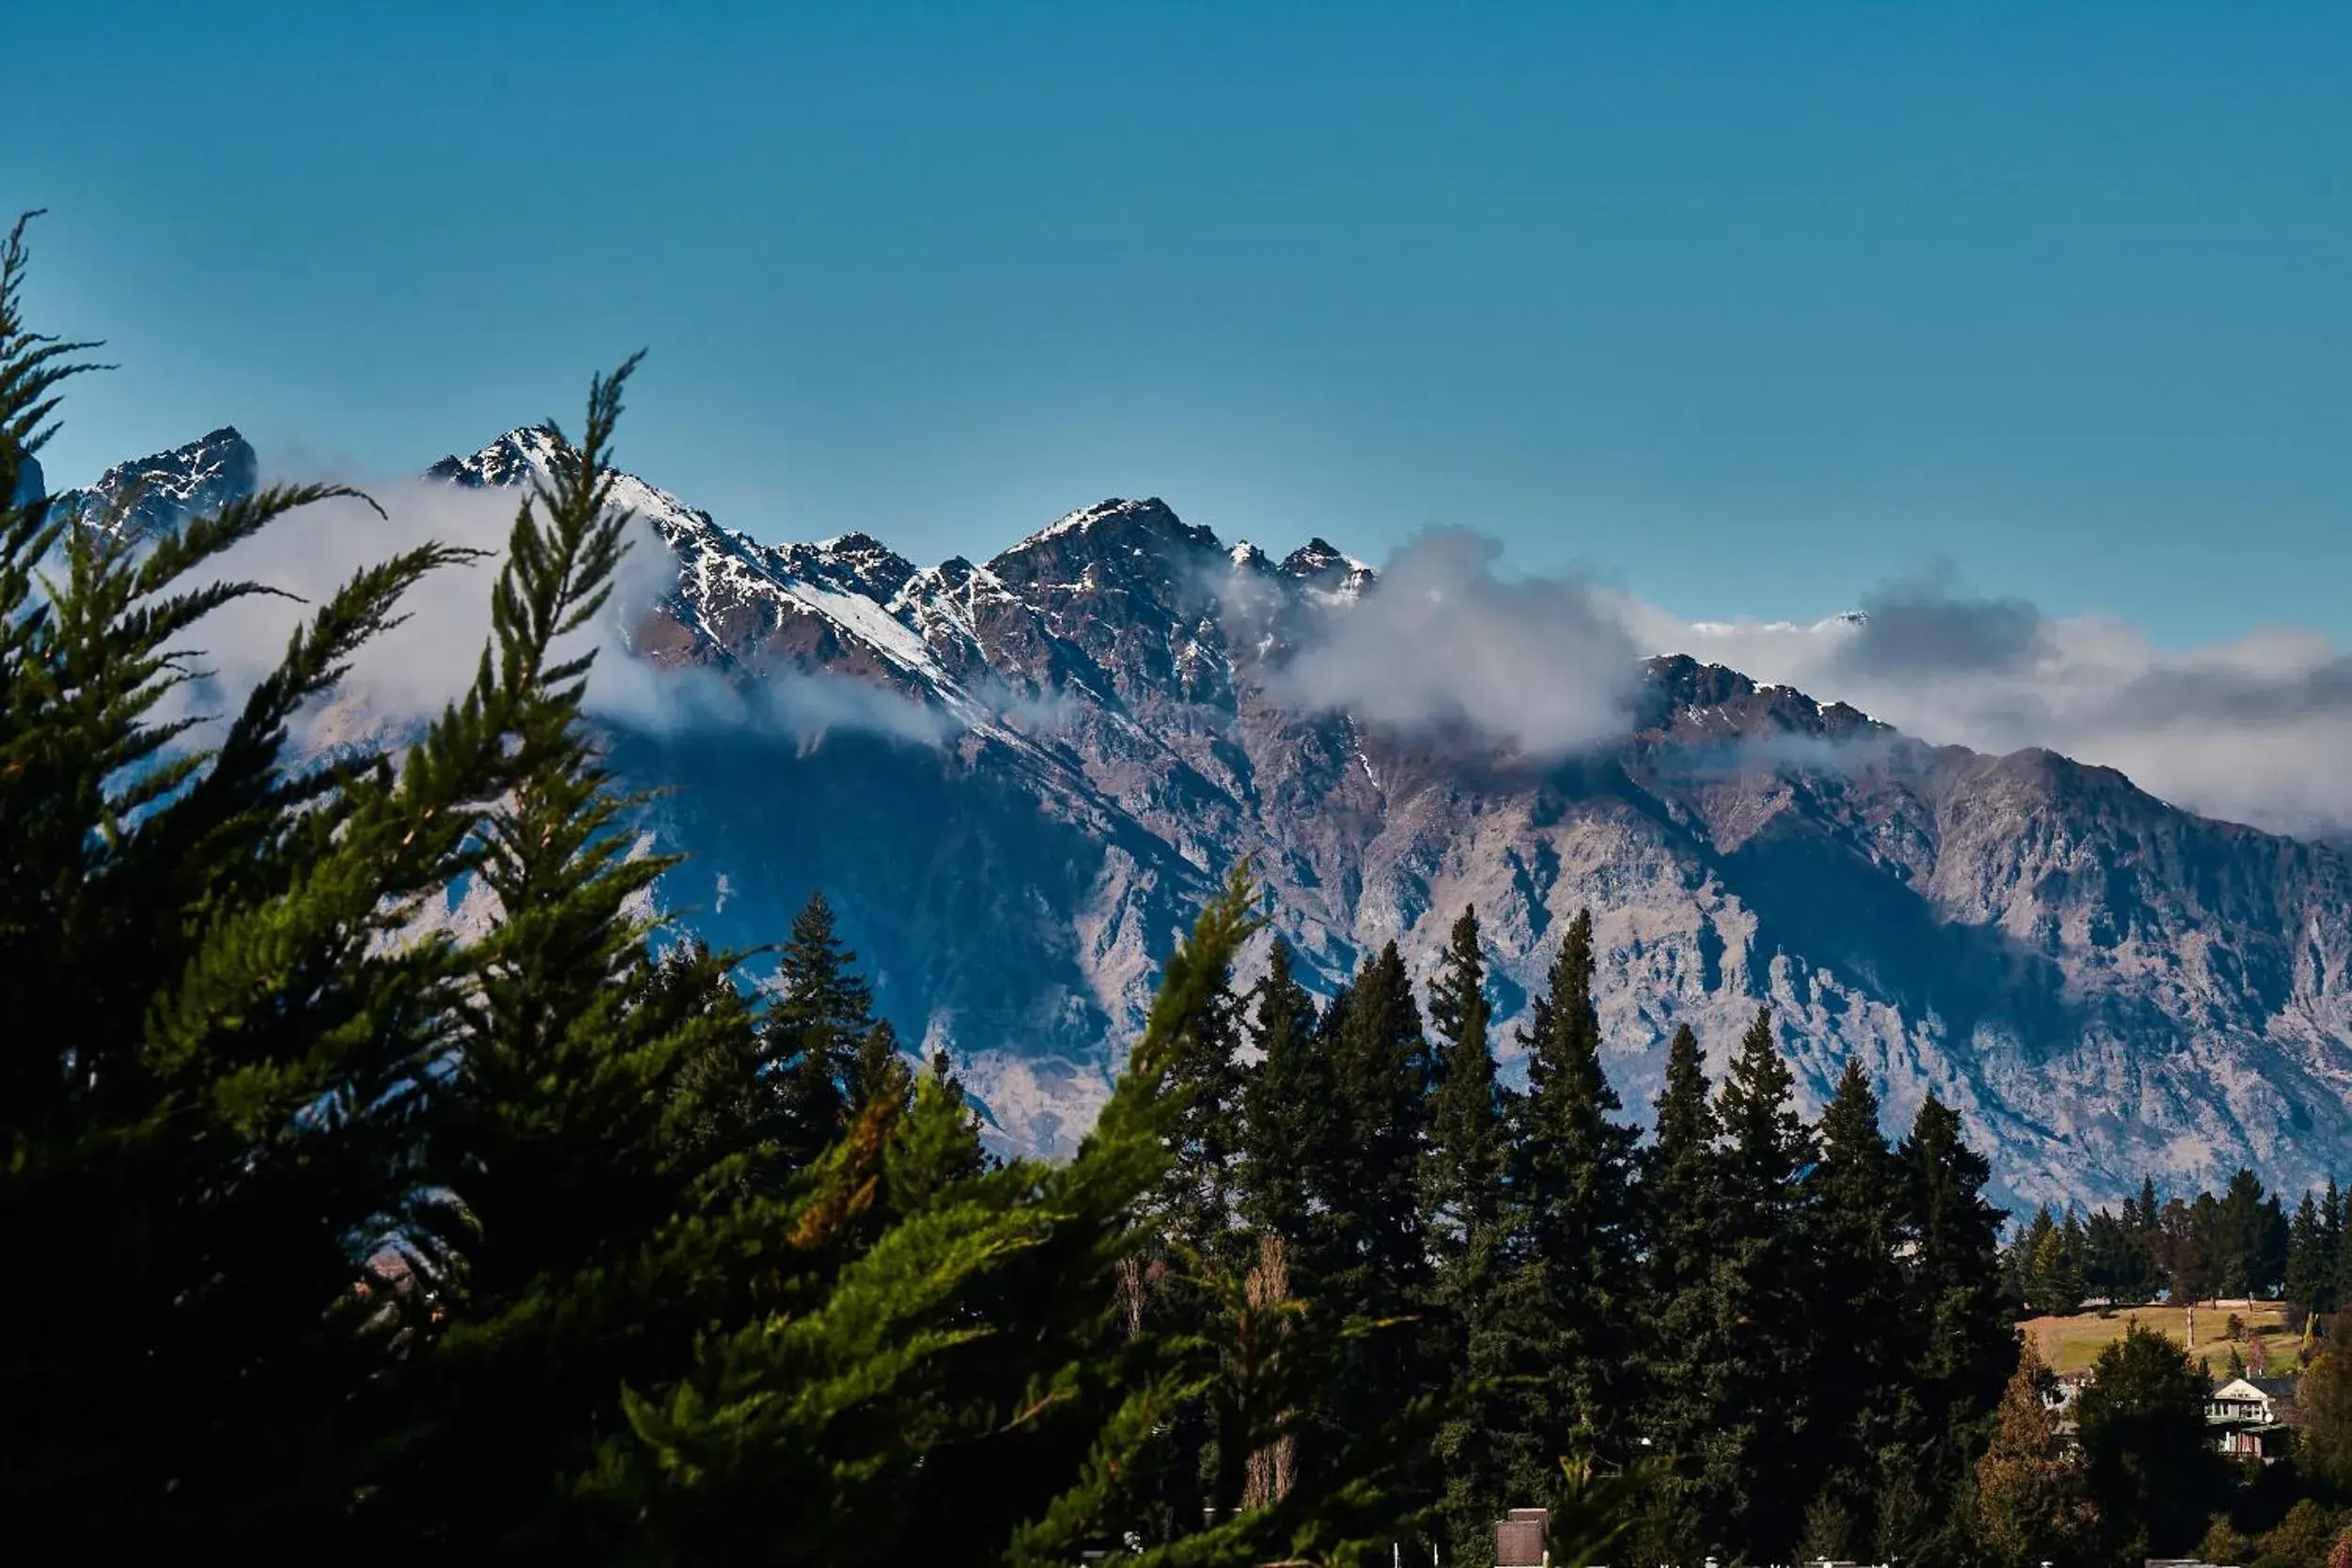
(2256, 729)
(409, 673)
(1445, 642)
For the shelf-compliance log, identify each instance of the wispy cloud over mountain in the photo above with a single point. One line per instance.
(1446, 642)
(2253, 729)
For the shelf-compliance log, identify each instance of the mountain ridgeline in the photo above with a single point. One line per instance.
(1018, 779)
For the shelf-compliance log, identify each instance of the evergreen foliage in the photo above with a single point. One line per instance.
(1487, 1448)
(1765, 1422)
(1573, 1172)
(1859, 1299)
(2144, 1444)
(814, 1032)
(1678, 1199)
(362, 1239)
(355, 1236)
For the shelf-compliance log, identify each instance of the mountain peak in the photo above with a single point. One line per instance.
(1321, 566)
(1114, 530)
(510, 459)
(153, 495)
(1108, 509)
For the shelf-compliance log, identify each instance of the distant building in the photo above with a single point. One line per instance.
(1519, 1538)
(2253, 1417)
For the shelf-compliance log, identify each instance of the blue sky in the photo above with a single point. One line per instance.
(1745, 308)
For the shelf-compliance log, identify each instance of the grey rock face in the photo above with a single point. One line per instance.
(2105, 985)
(152, 495)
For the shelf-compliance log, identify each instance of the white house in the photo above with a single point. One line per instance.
(2252, 1418)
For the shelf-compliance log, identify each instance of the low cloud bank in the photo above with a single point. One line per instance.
(407, 675)
(2256, 729)
(1444, 643)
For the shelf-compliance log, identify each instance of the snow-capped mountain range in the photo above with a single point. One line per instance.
(1015, 780)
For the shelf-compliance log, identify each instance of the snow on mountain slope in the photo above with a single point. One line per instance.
(153, 493)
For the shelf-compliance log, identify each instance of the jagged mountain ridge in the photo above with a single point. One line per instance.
(2104, 984)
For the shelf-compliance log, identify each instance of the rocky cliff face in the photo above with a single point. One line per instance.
(150, 496)
(1018, 779)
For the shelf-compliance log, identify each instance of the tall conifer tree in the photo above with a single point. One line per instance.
(1966, 1346)
(1862, 1318)
(1380, 1263)
(1288, 1107)
(1679, 1197)
(1486, 1450)
(1574, 1178)
(821, 1015)
(1768, 1413)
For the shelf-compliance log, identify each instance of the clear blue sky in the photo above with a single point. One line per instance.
(1746, 307)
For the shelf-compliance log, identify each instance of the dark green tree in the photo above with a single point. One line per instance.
(1484, 1301)
(1574, 1179)
(1377, 1260)
(2310, 1263)
(821, 1015)
(2054, 1283)
(1679, 1197)
(1468, 1145)
(1288, 1141)
(313, 1187)
(215, 1018)
(1765, 1336)
(1861, 1304)
(1965, 1346)
(2250, 1238)
(2152, 1468)
(2328, 1299)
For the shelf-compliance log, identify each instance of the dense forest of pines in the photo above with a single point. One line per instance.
(2240, 1242)
(334, 1233)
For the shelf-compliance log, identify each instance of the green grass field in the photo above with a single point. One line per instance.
(2072, 1343)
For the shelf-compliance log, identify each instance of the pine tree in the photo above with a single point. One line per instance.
(1287, 1105)
(1467, 1146)
(211, 1033)
(2017, 1259)
(1573, 1174)
(1379, 1263)
(358, 1238)
(2341, 1282)
(2308, 1262)
(562, 1128)
(867, 1415)
(1860, 1296)
(1763, 1332)
(2326, 1298)
(1679, 1199)
(1480, 1299)
(822, 1013)
(1965, 1348)
(880, 1075)
(2053, 1283)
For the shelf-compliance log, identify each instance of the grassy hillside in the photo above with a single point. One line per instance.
(2072, 1343)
